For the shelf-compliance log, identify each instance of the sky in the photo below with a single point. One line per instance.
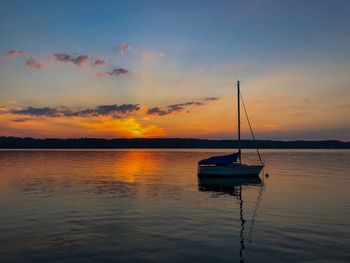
(130, 69)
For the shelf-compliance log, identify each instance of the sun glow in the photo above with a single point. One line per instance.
(128, 127)
(105, 126)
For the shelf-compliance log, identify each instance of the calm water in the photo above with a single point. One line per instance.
(147, 206)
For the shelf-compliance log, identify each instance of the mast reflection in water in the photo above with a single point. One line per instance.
(234, 187)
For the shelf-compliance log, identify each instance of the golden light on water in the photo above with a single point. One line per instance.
(133, 165)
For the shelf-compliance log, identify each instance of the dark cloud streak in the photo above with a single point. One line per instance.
(161, 111)
(115, 72)
(104, 110)
(99, 62)
(79, 61)
(101, 110)
(32, 111)
(157, 111)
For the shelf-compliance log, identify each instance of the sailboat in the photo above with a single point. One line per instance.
(231, 165)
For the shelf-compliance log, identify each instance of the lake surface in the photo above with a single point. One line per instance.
(148, 206)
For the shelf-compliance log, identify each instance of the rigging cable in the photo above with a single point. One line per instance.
(251, 130)
(252, 221)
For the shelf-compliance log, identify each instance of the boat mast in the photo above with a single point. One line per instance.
(239, 121)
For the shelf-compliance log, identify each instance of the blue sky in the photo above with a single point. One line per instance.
(205, 31)
(289, 52)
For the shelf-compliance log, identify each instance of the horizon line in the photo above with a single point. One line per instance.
(169, 138)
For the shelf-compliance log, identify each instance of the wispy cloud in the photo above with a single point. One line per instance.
(161, 111)
(124, 48)
(181, 106)
(271, 126)
(14, 53)
(99, 62)
(33, 63)
(115, 72)
(79, 61)
(21, 119)
(211, 98)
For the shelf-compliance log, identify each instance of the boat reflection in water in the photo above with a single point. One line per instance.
(234, 186)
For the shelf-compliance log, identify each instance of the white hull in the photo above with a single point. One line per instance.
(239, 170)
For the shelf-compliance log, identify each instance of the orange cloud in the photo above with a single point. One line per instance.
(14, 53)
(33, 63)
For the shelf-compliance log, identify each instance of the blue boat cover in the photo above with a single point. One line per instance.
(224, 159)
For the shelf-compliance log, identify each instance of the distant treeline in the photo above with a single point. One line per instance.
(91, 143)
